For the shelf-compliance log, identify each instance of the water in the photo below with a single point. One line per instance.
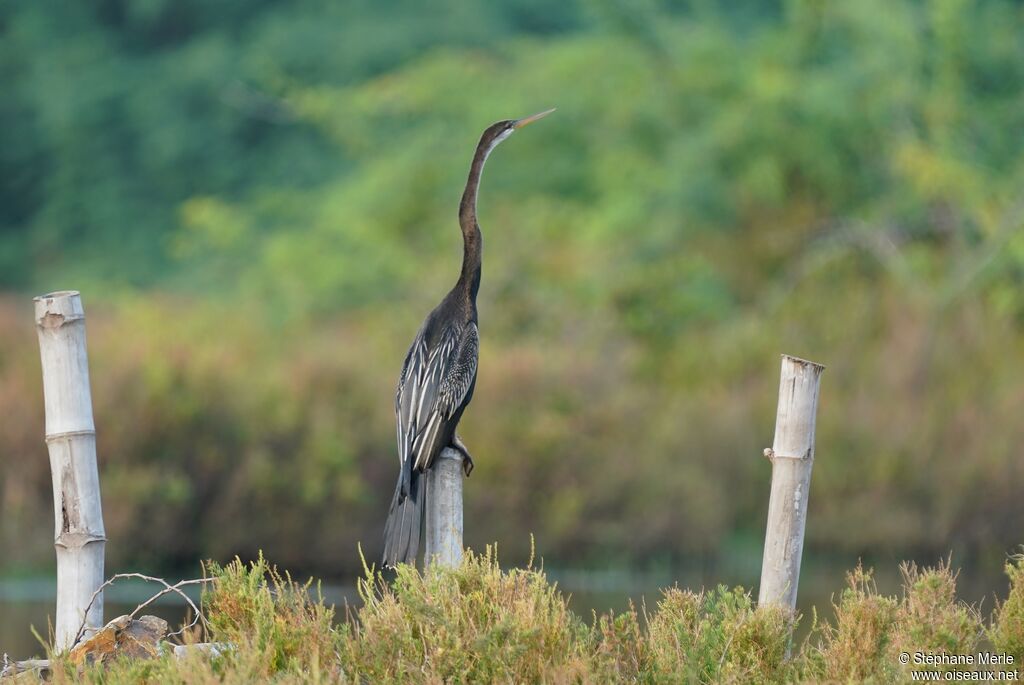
(27, 603)
(27, 608)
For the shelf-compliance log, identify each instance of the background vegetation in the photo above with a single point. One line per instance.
(258, 203)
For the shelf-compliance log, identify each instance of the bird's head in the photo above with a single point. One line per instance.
(498, 132)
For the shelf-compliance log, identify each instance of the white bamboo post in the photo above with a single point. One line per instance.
(79, 537)
(792, 457)
(444, 510)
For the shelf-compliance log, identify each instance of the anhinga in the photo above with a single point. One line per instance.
(439, 372)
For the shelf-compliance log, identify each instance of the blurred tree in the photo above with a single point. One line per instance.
(722, 182)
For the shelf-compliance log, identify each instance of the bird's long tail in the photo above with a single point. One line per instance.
(402, 530)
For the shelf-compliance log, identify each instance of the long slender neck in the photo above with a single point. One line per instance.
(472, 241)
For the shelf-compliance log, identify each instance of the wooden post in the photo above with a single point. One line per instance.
(792, 457)
(79, 537)
(444, 510)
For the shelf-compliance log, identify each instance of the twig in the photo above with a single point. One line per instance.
(14, 668)
(168, 588)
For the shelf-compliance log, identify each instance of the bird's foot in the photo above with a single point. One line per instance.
(467, 461)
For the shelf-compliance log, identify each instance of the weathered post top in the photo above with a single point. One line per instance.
(64, 304)
(67, 399)
(798, 407)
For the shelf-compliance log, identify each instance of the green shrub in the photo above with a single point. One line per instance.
(620, 652)
(480, 624)
(273, 622)
(931, 619)
(1007, 631)
(670, 629)
(857, 646)
(718, 636)
(475, 623)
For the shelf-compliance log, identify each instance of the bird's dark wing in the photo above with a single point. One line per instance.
(434, 384)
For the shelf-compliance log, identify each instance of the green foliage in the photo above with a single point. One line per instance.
(475, 623)
(672, 629)
(620, 653)
(262, 612)
(931, 619)
(317, 150)
(858, 646)
(478, 623)
(870, 631)
(274, 186)
(718, 636)
(275, 630)
(1007, 630)
(127, 111)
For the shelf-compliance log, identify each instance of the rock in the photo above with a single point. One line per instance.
(136, 638)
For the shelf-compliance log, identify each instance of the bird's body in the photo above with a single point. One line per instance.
(439, 373)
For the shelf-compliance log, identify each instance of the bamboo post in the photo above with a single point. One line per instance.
(792, 457)
(79, 537)
(444, 510)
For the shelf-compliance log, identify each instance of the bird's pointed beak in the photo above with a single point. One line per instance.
(529, 120)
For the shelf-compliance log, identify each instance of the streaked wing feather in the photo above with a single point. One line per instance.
(407, 397)
(435, 386)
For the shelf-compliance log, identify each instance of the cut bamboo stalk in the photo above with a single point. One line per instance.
(792, 457)
(79, 537)
(444, 510)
